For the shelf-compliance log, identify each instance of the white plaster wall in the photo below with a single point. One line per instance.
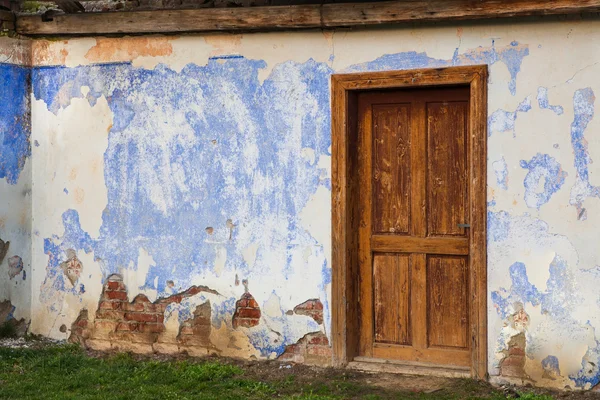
(15, 192)
(562, 56)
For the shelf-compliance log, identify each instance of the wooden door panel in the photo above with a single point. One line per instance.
(448, 301)
(413, 256)
(391, 168)
(391, 294)
(459, 358)
(447, 187)
(427, 245)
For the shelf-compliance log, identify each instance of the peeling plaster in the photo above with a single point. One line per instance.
(146, 147)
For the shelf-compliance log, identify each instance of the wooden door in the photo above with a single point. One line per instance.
(413, 233)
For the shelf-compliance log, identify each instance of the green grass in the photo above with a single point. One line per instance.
(66, 372)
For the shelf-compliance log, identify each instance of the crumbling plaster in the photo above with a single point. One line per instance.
(15, 180)
(206, 160)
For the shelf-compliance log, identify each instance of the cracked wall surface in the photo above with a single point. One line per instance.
(15, 181)
(169, 164)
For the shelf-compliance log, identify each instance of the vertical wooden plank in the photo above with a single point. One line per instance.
(447, 168)
(391, 168)
(478, 109)
(418, 224)
(364, 226)
(418, 218)
(448, 302)
(352, 206)
(339, 221)
(391, 298)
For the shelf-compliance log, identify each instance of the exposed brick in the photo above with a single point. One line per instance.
(100, 325)
(109, 314)
(319, 339)
(109, 305)
(516, 351)
(116, 295)
(140, 317)
(151, 328)
(247, 313)
(320, 351)
(114, 286)
(312, 308)
(134, 307)
(513, 365)
(186, 330)
(127, 326)
(252, 313)
(246, 322)
(313, 348)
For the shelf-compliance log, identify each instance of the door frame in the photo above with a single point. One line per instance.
(345, 189)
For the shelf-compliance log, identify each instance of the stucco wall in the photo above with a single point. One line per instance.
(197, 169)
(15, 182)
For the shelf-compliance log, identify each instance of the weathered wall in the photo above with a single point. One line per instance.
(182, 189)
(15, 182)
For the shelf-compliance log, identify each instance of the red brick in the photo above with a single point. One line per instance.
(248, 313)
(186, 330)
(151, 328)
(127, 326)
(245, 322)
(109, 305)
(154, 308)
(516, 351)
(140, 317)
(320, 340)
(105, 325)
(242, 303)
(160, 318)
(109, 314)
(116, 295)
(141, 298)
(115, 286)
(513, 361)
(321, 351)
(133, 307)
(83, 323)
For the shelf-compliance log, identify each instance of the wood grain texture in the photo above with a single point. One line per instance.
(429, 245)
(447, 302)
(365, 256)
(391, 298)
(295, 17)
(7, 20)
(345, 195)
(447, 185)
(391, 168)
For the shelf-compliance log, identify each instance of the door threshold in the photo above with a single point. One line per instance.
(368, 364)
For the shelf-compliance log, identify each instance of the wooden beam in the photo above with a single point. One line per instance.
(7, 21)
(295, 17)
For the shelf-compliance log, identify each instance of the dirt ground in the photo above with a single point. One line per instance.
(269, 371)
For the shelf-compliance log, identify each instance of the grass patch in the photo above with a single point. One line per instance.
(67, 372)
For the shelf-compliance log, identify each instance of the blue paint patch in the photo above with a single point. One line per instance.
(15, 120)
(501, 171)
(589, 375)
(550, 365)
(196, 148)
(498, 226)
(512, 56)
(544, 103)
(583, 108)
(504, 121)
(542, 166)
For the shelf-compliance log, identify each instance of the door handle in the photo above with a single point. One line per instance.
(464, 225)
